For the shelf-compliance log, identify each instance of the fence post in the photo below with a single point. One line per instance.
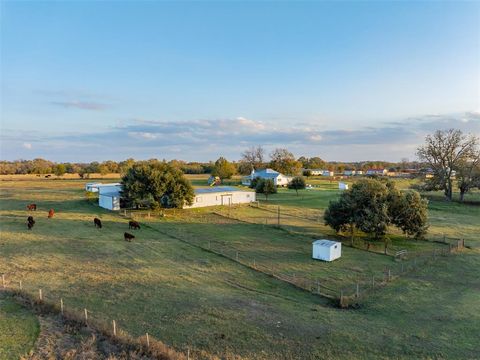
(318, 287)
(3, 280)
(402, 267)
(40, 294)
(61, 306)
(254, 266)
(357, 294)
(86, 316)
(188, 354)
(148, 341)
(341, 298)
(278, 216)
(236, 256)
(20, 283)
(115, 329)
(389, 275)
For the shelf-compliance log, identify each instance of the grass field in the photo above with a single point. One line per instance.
(190, 297)
(18, 329)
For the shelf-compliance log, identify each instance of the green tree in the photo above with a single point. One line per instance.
(284, 162)
(409, 212)
(297, 183)
(468, 175)
(156, 184)
(265, 187)
(223, 169)
(59, 169)
(307, 173)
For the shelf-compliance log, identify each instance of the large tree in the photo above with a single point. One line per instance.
(252, 158)
(156, 184)
(283, 161)
(223, 169)
(468, 175)
(371, 206)
(446, 152)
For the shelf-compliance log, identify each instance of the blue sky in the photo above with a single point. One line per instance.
(84, 81)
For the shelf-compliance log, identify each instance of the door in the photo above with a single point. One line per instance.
(227, 199)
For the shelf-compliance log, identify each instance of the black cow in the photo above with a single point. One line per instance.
(133, 225)
(97, 222)
(128, 237)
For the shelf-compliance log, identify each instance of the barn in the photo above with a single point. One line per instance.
(109, 196)
(326, 250)
(221, 195)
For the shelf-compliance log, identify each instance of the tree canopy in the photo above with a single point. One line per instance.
(372, 206)
(297, 183)
(265, 187)
(284, 162)
(223, 169)
(156, 184)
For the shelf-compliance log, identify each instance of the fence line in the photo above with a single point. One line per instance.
(41, 302)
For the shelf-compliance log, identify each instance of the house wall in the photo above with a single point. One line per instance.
(222, 198)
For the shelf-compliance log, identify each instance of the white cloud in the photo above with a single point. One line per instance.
(27, 145)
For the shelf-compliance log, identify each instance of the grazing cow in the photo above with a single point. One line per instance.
(97, 223)
(133, 225)
(32, 207)
(51, 213)
(128, 237)
(30, 224)
(30, 219)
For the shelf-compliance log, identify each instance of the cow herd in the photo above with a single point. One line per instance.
(132, 224)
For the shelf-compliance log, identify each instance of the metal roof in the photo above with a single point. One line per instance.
(326, 243)
(216, 189)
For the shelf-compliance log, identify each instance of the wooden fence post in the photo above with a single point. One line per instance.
(40, 294)
(373, 282)
(20, 284)
(278, 216)
(188, 354)
(389, 275)
(148, 341)
(61, 305)
(358, 291)
(318, 287)
(3, 281)
(341, 298)
(236, 256)
(86, 316)
(254, 265)
(115, 329)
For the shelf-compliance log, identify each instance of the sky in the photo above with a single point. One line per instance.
(346, 81)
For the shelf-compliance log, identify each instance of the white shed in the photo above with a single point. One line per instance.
(109, 196)
(342, 186)
(326, 250)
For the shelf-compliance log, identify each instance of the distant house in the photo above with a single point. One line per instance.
(321, 172)
(221, 195)
(359, 172)
(278, 178)
(109, 196)
(349, 172)
(377, 171)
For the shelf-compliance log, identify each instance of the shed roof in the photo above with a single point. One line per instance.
(326, 243)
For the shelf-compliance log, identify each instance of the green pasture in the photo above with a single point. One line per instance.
(165, 284)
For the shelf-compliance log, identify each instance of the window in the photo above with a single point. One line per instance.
(335, 246)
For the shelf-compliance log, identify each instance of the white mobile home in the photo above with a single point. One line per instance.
(109, 196)
(326, 250)
(94, 187)
(221, 195)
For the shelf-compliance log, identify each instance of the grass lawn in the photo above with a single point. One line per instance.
(189, 297)
(19, 328)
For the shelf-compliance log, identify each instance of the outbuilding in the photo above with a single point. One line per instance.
(326, 250)
(342, 186)
(221, 195)
(109, 196)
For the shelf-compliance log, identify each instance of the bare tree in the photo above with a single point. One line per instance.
(445, 152)
(254, 157)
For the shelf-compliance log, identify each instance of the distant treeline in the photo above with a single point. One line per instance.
(42, 166)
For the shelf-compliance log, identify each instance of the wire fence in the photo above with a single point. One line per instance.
(343, 295)
(46, 302)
